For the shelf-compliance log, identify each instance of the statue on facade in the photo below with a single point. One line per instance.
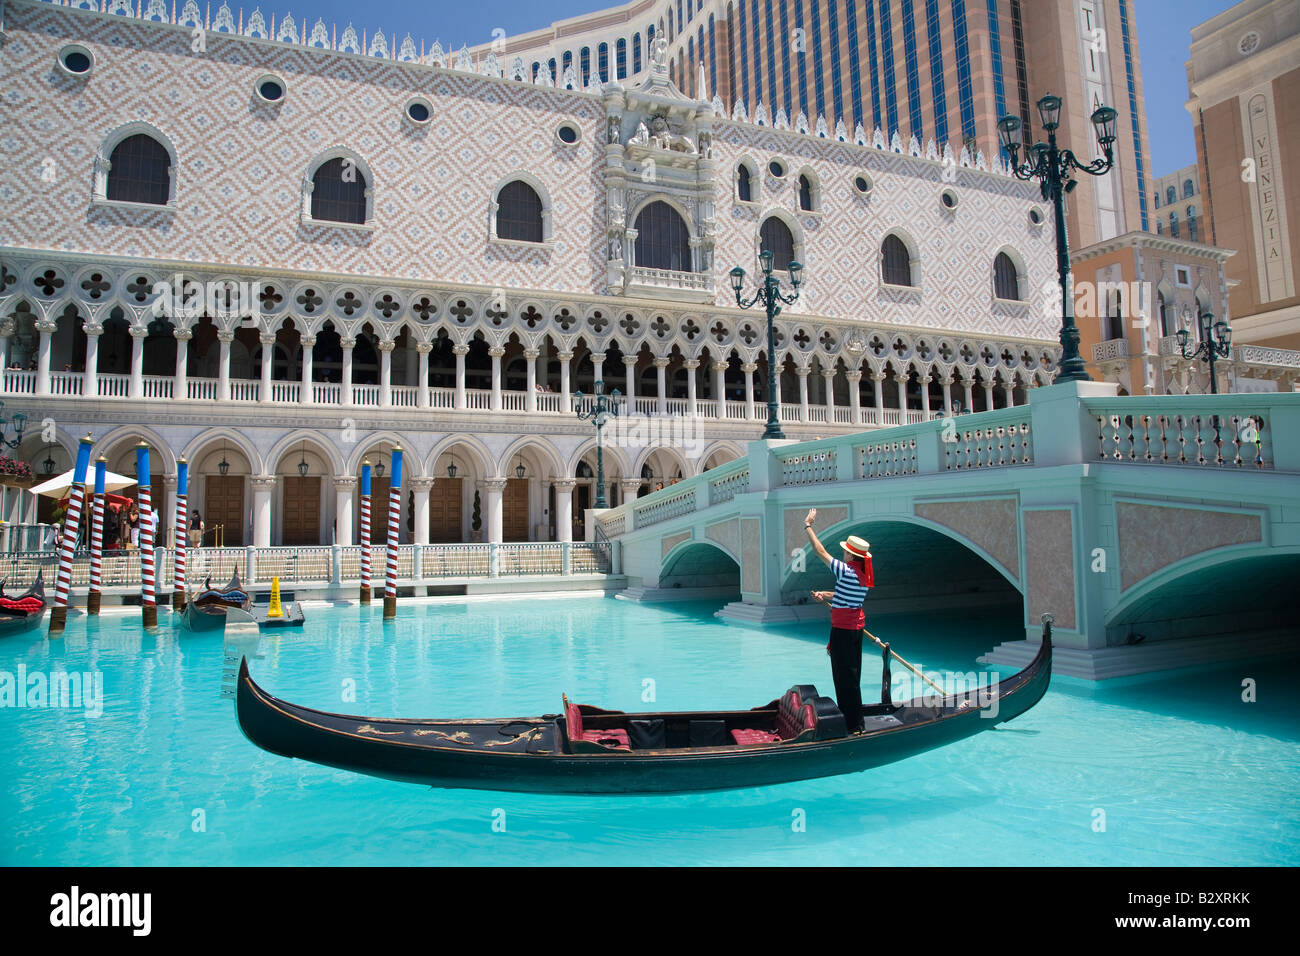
(659, 55)
(662, 137)
(612, 132)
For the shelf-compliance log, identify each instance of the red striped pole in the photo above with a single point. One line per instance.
(71, 524)
(180, 526)
(394, 516)
(97, 537)
(148, 604)
(365, 532)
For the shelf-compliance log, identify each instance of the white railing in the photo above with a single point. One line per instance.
(887, 458)
(287, 392)
(736, 411)
(66, 383)
(404, 396)
(671, 279)
(1209, 430)
(327, 393)
(671, 502)
(20, 381)
(513, 401)
(733, 481)
(1110, 350)
(244, 389)
(548, 401)
(1000, 438)
(201, 389)
(479, 399)
(113, 385)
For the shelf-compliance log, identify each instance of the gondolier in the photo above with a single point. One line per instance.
(853, 578)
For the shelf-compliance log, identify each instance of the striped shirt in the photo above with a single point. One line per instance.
(846, 604)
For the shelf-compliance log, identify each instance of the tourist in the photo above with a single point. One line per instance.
(133, 525)
(196, 529)
(853, 578)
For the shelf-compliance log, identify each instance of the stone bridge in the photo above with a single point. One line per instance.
(1159, 531)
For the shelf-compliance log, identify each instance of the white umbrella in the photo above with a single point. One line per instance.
(60, 485)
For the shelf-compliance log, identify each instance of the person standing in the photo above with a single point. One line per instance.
(133, 524)
(196, 529)
(853, 578)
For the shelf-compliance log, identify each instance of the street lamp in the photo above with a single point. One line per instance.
(19, 422)
(520, 470)
(603, 408)
(769, 293)
(451, 469)
(1210, 347)
(303, 467)
(1051, 166)
(379, 468)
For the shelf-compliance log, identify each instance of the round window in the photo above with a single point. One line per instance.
(419, 111)
(76, 60)
(568, 133)
(862, 184)
(1036, 216)
(270, 89)
(776, 168)
(948, 198)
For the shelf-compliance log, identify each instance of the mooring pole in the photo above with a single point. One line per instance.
(71, 524)
(365, 531)
(97, 537)
(394, 515)
(180, 525)
(148, 603)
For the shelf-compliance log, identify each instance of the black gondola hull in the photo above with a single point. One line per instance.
(471, 754)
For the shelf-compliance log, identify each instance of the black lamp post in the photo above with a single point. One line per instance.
(19, 422)
(451, 469)
(1051, 166)
(1209, 348)
(520, 470)
(303, 467)
(48, 463)
(604, 408)
(379, 468)
(769, 293)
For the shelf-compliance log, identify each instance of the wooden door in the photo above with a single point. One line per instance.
(514, 510)
(581, 502)
(378, 510)
(445, 509)
(300, 510)
(223, 504)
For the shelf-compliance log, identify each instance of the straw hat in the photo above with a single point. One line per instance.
(857, 546)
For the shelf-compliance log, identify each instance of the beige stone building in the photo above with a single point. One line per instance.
(1243, 80)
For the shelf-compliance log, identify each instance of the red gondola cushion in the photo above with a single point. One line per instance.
(793, 718)
(603, 736)
(27, 605)
(746, 737)
(573, 717)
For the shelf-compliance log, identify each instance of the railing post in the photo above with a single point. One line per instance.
(336, 566)
(250, 566)
(929, 448)
(567, 551)
(846, 466)
(417, 563)
(493, 570)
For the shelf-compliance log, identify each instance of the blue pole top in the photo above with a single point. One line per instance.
(101, 471)
(182, 477)
(397, 466)
(365, 477)
(142, 465)
(83, 461)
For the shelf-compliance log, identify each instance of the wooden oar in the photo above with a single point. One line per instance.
(899, 658)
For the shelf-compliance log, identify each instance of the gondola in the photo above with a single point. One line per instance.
(24, 612)
(587, 750)
(206, 611)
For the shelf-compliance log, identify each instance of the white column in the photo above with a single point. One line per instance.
(988, 395)
(720, 387)
(386, 372)
(828, 388)
(855, 397)
(137, 360)
(947, 396)
(691, 365)
(540, 366)
(180, 387)
(629, 367)
(6, 330)
(566, 399)
(223, 366)
(661, 381)
(460, 351)
(345, 489)
(263, 488)
(421, 486)
(90, 378)
(494, 487)
(496, 354)
(305, 396)
(46, 328)
(564, 508)
(970, 396)
(749, 369)
(598, 369)
(802, 371)
(530, 363)
(878, 381)
(924, 382)
(422, 377)
(1009, 389)
(268, 356)
(345, 388)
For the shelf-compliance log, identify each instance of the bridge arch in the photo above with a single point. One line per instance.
(699, 564)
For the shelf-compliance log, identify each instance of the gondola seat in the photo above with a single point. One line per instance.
(794, 716)
(613, 738)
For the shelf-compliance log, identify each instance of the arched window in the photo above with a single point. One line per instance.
(1166, 315)
(805, 194)
(519, 213)
(636, 53)
(338, 192)
(1188, 189)
(584, 61)
(662, 240)
(775, 237)
(620, 58)
(895, 262)
(1191, 223)
(1157, 199)
(1171, 196)
(140, 171)
(1006, 284)
(744, 186)
(1173, 224)
(1160, 227)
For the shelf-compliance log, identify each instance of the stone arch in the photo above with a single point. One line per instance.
(111, 141)
(483, 460)
(327, 450)
(612, 453)
(136, 433)
(913, 251)
(345, 153)
(352, 466)
(699, 564)
(547, 452)
(204, 442)
(537, 186)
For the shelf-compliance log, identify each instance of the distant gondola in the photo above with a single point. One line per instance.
(206, 611)
(24, 612)
(587, 750)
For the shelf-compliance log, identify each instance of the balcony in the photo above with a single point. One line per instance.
(670, 284)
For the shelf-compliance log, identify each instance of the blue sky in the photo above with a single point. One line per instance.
(1164, 34)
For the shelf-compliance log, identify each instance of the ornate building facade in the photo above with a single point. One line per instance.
(277, 251)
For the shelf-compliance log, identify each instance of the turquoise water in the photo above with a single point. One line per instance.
(1184, 771)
